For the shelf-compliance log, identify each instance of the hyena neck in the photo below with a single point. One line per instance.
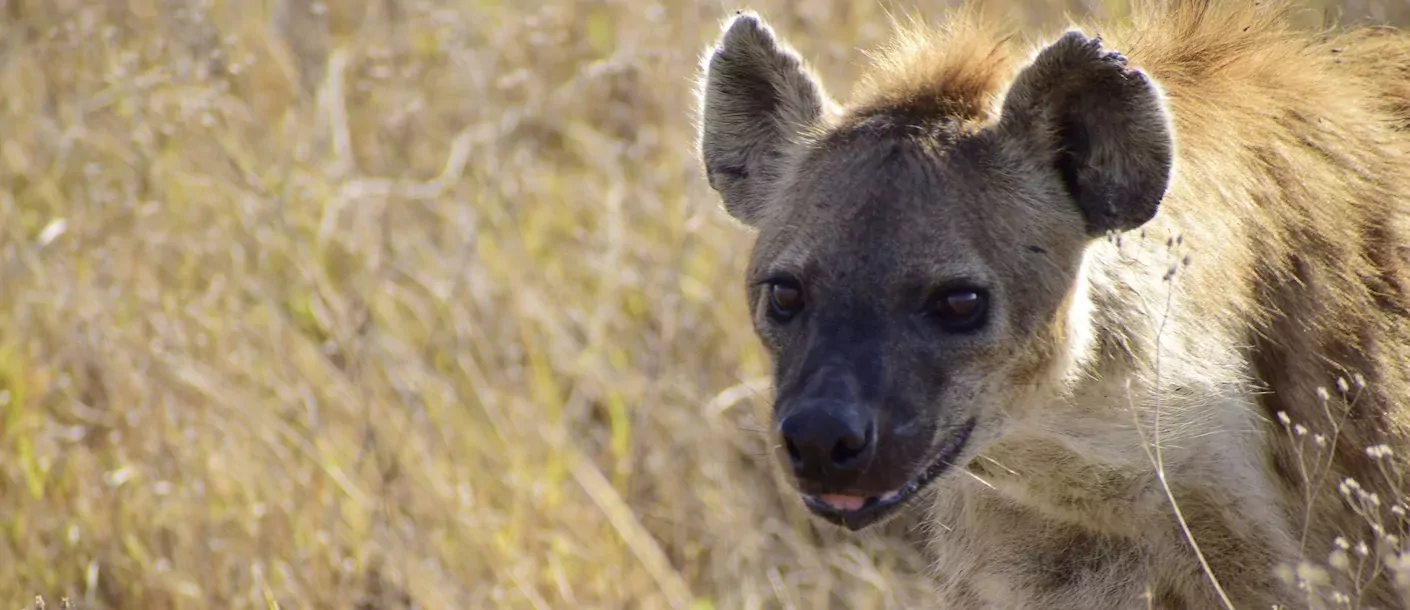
(1148, 370)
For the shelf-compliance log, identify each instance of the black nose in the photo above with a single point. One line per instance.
(824, 442)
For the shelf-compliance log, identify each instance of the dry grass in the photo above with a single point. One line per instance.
(376, 304)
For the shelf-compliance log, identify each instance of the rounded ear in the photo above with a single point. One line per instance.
(757, 98)
(1103, 125)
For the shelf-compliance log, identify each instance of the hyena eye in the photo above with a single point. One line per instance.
(961, 310)
(785, 300)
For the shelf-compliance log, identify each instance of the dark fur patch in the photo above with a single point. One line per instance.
(1077, 555)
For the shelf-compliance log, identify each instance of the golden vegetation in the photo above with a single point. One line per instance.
(378, 304)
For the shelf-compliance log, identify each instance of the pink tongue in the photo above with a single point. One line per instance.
(843, 502)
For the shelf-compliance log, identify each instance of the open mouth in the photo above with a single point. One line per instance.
(855, 512)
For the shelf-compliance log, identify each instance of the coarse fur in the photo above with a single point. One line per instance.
(1192, 230)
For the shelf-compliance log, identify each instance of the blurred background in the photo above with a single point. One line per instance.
(377, 304)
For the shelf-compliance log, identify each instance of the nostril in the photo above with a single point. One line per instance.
(793, 455)
(845, 452)
(850, 448)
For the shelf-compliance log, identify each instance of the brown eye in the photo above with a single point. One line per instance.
(785, 300)
(961, 310)
(962, 304)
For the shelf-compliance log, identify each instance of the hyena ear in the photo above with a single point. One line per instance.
(757, 98)
(1102, 124)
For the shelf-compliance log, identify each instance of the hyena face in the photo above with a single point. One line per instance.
(915, 275)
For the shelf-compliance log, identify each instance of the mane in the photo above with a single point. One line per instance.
(957, 68)
(949, 70)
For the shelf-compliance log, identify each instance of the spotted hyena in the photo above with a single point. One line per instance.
(1125, 316)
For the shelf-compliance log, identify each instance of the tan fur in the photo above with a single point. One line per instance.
(1273, 282)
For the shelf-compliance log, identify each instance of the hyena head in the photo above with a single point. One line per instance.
(917, 272)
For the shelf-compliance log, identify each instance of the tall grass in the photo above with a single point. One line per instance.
(377, 304)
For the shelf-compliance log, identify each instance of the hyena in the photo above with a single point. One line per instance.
(1124, 315)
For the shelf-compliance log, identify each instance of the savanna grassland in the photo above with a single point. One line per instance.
(376, 304)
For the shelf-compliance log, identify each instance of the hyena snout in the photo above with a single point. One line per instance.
(828, 443)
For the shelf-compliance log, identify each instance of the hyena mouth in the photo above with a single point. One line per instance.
(856, 513)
